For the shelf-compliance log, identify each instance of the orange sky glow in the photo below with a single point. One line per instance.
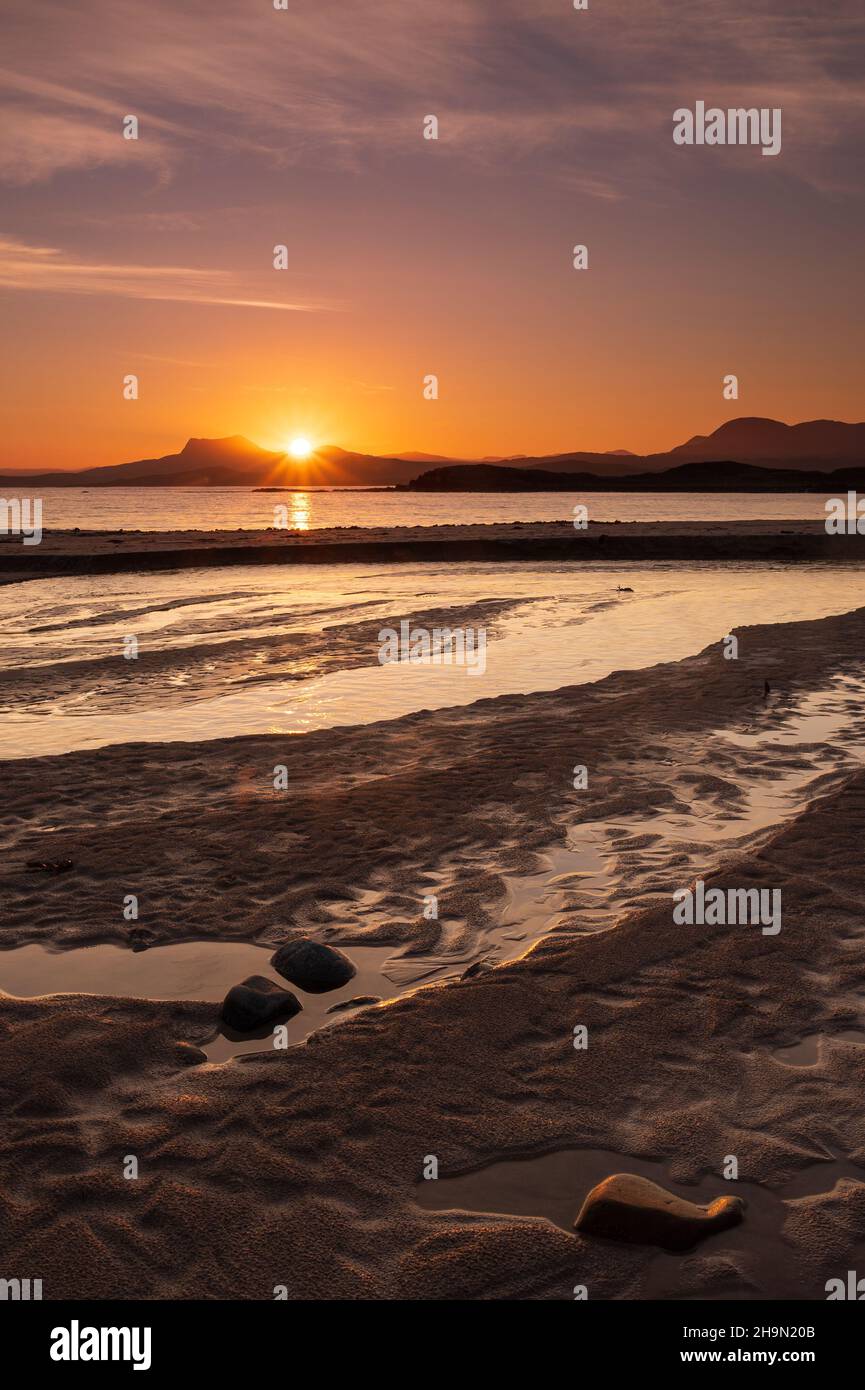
(409, 257)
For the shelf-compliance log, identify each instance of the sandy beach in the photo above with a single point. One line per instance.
(303, 1167)
(113, 552)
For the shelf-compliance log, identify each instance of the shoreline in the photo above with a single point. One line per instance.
(266, 1172)
(348, 782)
(112, 552)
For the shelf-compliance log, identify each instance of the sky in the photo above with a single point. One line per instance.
(410, 257)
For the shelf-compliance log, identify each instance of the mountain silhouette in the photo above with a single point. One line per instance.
(755, 438)
(231, 462)
(821, 445)
(200, 463)
(726, 475)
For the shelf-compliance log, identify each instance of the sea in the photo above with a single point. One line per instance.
(227, 508)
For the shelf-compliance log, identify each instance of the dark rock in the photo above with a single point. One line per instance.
(257, 1002)
(313, 966)
(141, 938)
(356, 1003)
(628, 1207)
(50, 866)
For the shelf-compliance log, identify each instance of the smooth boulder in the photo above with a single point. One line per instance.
(628, 1207)
(257, 1002)
(313, 966)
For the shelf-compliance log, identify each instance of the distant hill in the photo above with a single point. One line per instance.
(200, 463)
(814, 445)
(756, 439)
(716, 476)
(414, 457)
(230, 462)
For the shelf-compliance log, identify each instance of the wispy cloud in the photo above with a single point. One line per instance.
(35, 145)
(46, 268)
(590, 93)
(48, 127)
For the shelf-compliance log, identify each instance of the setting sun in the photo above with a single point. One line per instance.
(300, 448)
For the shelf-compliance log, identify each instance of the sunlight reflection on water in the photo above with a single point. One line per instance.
(568, 625)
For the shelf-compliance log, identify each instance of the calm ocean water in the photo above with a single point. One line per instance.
(203, 508)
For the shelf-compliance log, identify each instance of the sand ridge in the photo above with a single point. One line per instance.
(107, 552)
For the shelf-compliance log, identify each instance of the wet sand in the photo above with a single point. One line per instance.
(110, 552)
(301, 1167)
(173, 675)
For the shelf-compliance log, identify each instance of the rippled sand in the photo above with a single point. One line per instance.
(301, 1167)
